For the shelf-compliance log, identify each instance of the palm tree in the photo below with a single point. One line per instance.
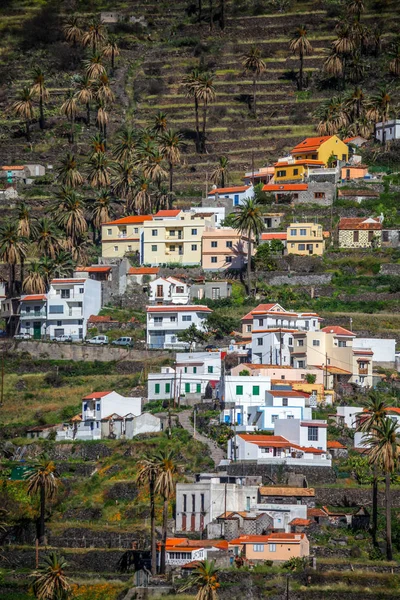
(343, 47)
(47, 238)
(35, 280)
(94, 66)
(12, 249)
(394, 65)
(100, 170)
(69, 108)
(355, 103)
(141, 197)
(84, 93)
(220, 175)
(102, 118)
(379, 109)
(72, 31)
(356, 7)
(125, 145)
(95, 35)
(333, 115)
(63, 264)
(42, 479)
(205, 578)
(26, 228)
(147, 475)
(190, 83)
(50, 581)
(333, 65)
(170, 149)
(356, 68)
(151, 164)
(101, 209)
(97, 144)
(40, 91)
(374, 415)
(68, 211)
(124, 180)
(23, 108)
(254, 64)
(160, 123)
(165, 487)
(205, 93)
(301, 47)
(111, 50)
(383, 452)
(249, 222)
(68, 172)
(103, 89)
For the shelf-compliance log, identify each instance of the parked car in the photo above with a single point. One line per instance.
(63, 338)
(22, 336)
(211, 348)
(123, 341)
(98, 339)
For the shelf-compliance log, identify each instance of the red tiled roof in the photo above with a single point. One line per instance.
(95, 395)
(143, 271)
(130, 220)
(304, 161)
(67, 281)
(13, 168)
(310, 144)
(33, 297)
(276, 441)
(334, 444)
(300, 522)
(167, 213)
(260, 307)
(285, 187)
(363, 352)
(358, 223)
(284, 537)
(183, 308)
(229, 190)
(337, 330)
(316, 512)
(274, 236)
(93, 269)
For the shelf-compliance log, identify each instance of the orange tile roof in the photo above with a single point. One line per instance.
(334, 444)
(260, 307)
(130, 220)
(33, 297)
(274, 236)
(183, 308)
(304, 161)
(358, 223)
(13, 168)
(143, 271)
(310, 144)
(337, 330)
(167, 213)
(229, 190)
(95, 395)
(57, 281)
(277, 441)
(285, 187)
(254, 539)
(272, 490)
(316, 512)
(300, 522)
(288, 394)
(93, 269)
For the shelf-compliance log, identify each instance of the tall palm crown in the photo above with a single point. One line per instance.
(205, 94)
(95, 35)
(13, 249)
(68, 210)
(72, 31)
(43, 479)
(190, 83)
(205, 578)
(111, 50)
(35, 280)
(165, 486)
(146, 476)
(103, 89)
(170, 149)
(301, 47)
(102, 117)
(380, 105)
(333, 64)
(220, 175)
(23, 108)
(356, 7)
(63, 264)
(50, 581)
(69, 108)
(84, 92)
(68, 172)
(333, 115)
(24, 220)
(141, 196)
(394, 65)
(160, 123)
(94, 66)
(125, 144)
(102, 208)
(124, 179)
(248, 221)
(255, 66)
(100, 169)
(47, 238)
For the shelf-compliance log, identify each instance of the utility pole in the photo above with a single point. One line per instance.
(351, 323)
(280, 346)
(194, 423)
(234, 430)
(252, 167)
(326, 370)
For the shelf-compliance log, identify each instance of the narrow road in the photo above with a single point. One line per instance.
(216, 453)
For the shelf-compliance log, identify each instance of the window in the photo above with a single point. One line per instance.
(184, 503)
(342, 344)
(59, 323)
(65, 293)
(313, 434)
(300, 343)
(172, 232)
(293, 232)
(274, 418)
(272, 547)
(370, 236)
(319, 194)
(261, 322)
(160, 291)
(361, 365)
(228, 259)
(229, 244)
(109, 231)
(185, 370)
(202, 502)
(295, 171)
(157, 388)
(214, 244)
(172, 248)
(187, 388)
(302, 246)
(258, 547)
(290, 342)
(303, 231)
(284, 402)
(56, 310)
(194, 247)
(355, 236)
(215, 293)
(186, 318)
(239, 390)
(193, 503)
(210, 369)
(260, 341)
(248, 328)
(180, 289)
(256, 390)
(98, 406)
(198, 388)
(115, 248)
(154, 248)
(28, 309)
(167, 388)
(158, 320)
(281, 174)
(315, 343)
(136, 229)
(195, 370)
(154, 232)
(172, 319)
(194, 231)
(213, 259)
(301, 364)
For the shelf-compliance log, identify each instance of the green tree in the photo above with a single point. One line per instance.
(13, 248)
(40, 91)
(102, 209)
(262, 259)
(301, 47)
(205, 92)
(23, 108)
(47, 238)
(84, 93)
(205, 579)
(255, 66)
(221, 325)
(165, 486)
(160, 123)
(147, 475)
(220, 175)
(170, 150)
(100, 169)
(68, 173)
(191, 336)
(50, 581)
(43, 480)
(95, 35)
(69, 213)
(125, 144)
(94, 66)
(248, 221)
(69, 108)
(35, 280)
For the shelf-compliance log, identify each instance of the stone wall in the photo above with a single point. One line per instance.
(280, 473)
(351, 497)
(346, 239)
(317, 187)
(389, 269)
(293, 279)
(92, 561)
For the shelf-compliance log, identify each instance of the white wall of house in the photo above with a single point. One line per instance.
(346, 415)
(199, 362)
(69, 306)
(218, 211)
(384, 350)
(100, 408)
(282, 514)
(165, 386)
(244, 392)
(168, 290)
(268, 415)
(303, 433)
(392, 130)
(272, 347)
(164, 323)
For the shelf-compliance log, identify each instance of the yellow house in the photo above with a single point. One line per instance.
(291, 169)
(174, 236)
(305, 238)
(275, 546)
(122, 236)
(321, 148)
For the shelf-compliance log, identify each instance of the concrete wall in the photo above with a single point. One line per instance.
(280, 473)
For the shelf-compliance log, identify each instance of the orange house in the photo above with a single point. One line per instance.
(275, 546)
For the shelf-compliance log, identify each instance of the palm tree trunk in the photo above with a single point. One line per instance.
(374, 507)
(301, 72)
(222, 15)
(389, 551)
(153, 526)
(88, 114)
(211, 15)
(28, 131)
(72, 130)
(41, 118)
(22, 269)
(222, 179)
(196, 111)
(203, 140)
(254, 96)
(11, 279)
(200, 10)
(164, 536)
(249, 263)
(171, 169)
(112, 60)
(41, 530)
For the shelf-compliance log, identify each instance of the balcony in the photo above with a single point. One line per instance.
(363, 371)
(33, 314)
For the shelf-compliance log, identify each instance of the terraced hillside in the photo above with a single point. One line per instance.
(155, 58)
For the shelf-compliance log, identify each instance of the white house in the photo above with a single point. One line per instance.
(237, 194)
(384, 350)
(218, 211)
(360, 438)
(311, 433)
(70, 302)
(279, 404)
(347, 415)
(165, 322)
(243, 393)
(168, 290)
(33, 315)
(390, 130)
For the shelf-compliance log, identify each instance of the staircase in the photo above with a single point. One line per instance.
(215, 451)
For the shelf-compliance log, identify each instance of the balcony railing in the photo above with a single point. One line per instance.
(32, 314)
(363, 371)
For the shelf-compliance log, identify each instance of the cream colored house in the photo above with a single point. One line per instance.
(224, 248)
(305, 239)
(174, 236)
(122, 236)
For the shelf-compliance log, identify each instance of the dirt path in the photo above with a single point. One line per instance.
(216, 453)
